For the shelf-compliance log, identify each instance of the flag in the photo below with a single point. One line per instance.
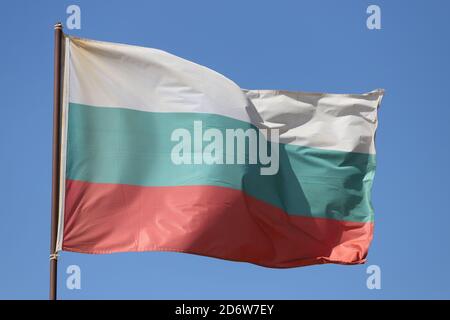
(162, 154)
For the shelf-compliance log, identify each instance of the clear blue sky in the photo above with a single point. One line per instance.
(296, 45)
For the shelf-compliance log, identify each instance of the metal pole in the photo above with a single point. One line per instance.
(56, 157)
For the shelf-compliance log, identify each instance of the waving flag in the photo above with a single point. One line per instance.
(162, 154)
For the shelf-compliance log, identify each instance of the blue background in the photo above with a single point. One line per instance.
(295, 45)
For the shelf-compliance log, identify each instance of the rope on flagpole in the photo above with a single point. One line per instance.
(54, 256)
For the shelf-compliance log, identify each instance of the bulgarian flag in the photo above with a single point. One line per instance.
(162, 154)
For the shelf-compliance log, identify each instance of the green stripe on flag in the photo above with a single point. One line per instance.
(124, 146)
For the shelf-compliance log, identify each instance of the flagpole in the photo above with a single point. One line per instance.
(56, 157)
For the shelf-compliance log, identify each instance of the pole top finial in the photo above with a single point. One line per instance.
(58, 25)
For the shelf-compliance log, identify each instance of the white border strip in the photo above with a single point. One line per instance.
(64, 117)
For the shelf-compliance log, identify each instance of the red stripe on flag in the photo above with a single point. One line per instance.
(205, 220)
